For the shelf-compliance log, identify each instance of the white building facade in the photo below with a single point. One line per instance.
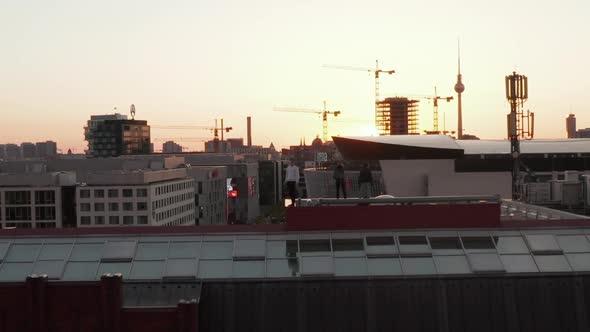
(138, 198)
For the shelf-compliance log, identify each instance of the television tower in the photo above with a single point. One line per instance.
(459, 88)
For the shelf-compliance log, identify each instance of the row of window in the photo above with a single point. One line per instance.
(159, 203)
(114, 220)
(25, 213)
(113, 193)
(175, 211)
(23, 197)
(169, 188)
(188, 219)
(113, 206)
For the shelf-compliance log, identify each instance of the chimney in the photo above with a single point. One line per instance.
(249, 120)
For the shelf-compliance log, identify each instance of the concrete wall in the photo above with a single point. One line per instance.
(438, 177)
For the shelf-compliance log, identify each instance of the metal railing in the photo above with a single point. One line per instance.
(400, 200)
(523, 211)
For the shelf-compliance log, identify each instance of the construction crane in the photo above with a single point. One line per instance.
(214, 129)
(435, 100)
(377, 72)
(324, 113)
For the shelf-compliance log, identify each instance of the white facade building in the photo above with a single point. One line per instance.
(136, 198)
(210, 194)
(34, 200)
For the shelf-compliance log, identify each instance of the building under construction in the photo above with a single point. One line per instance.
(397, 116)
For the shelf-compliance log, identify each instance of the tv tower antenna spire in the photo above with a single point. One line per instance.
(459, 88)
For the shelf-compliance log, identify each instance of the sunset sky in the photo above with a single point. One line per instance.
(189, 62)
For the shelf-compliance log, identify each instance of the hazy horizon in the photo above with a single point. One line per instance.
(189, 62)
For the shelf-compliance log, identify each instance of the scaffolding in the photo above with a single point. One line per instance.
(397, 116)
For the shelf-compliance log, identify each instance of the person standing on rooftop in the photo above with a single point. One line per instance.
(292, 178)
(339, 178)
(365, 181)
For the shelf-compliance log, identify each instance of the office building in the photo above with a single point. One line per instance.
(136, 198)
(37, 200)
(28, 150)
(115, 135)
(46, 149)
(570, 126)
(211, 194)
(171, 147)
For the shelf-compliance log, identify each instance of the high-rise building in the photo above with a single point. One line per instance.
(2, 151)
(114, 135)
(46, 149)
(171, 147)
(28, 150)
(570, 126)
(398, 116)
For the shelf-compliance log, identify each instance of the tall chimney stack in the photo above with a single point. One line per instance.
(249, 119)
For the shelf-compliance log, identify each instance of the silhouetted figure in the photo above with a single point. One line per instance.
(292, 178)
(365, 181)
(339, 178)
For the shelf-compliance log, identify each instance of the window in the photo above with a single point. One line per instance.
(127, 206)
(141, 192)
(478, 242)
(45, 197)
(543, 244)
(414, 245)
(113, 206)
(85, 220)
(446, 245)
(98, 206)
(127, 192)
(17, 197)
(142, 220)
(18, 213)
(85, 193)
(315, 245)
(127, 220)
(84, 207)
(113, 193)
(118, 251)
(99, 220)
(113, 220)
(45, 213)
(98, 193)
(249, 249)
(142, 206)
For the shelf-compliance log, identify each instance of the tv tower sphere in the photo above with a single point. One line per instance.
(459, 87)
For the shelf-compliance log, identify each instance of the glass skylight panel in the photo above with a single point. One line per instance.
(55, 251)
(249, 249)
(447, 245)
(543, 244)
(519, 263)
(348, 247)
(478, 243)
(485, 263)
(277, 249)
(511, 245)
(579, 262)
(184, 249)
(80, 271)
(151, 250)
(249, 269)
(350, 266)
(53, 269)
(573, 243)
(452, 264)
(147, 270)
(552, 263)
(114, 267)
(15, 271)
(315, 246)
(411, 245)
(86, 252)
(380, 246)
(282, 268)
(118, 251)
(317, 265)
(217, 249)
(218, 268)
(384, 266)
(23, 253)
(418, 265)
(182, 268)
(3, 250)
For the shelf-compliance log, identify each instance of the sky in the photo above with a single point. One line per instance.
(190, 62)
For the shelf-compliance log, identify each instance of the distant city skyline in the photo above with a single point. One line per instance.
(187, 63)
